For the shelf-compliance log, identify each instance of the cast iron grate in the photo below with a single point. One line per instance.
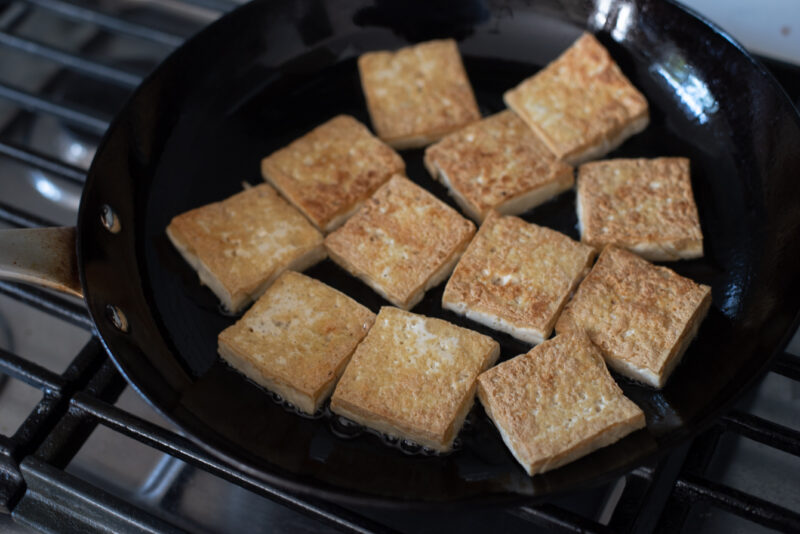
(36, 490)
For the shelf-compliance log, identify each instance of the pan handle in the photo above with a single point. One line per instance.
(41, 256)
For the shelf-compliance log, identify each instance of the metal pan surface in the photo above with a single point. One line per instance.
(270, 71)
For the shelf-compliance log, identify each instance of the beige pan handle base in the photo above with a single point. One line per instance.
(41, 256)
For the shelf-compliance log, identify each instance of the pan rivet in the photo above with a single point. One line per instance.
(117, 318)
(109, 219)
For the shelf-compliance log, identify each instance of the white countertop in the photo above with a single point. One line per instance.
(766, 27)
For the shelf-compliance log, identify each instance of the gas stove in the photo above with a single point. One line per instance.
(81, 451)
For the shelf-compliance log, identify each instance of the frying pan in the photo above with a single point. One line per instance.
(270, 71)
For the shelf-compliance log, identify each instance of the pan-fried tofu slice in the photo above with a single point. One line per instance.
(297, 338)
(641, 316)
(557, 403)
(331, 170)
(417, 94)
(497, 163)
(515, 277)
(240, 245)
(403, 242)
(581, 104)
(644, 205)
(414, 377)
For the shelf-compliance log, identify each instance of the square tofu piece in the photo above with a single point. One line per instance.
(331, 170)
(240, 245)
(515, 277)
(417, 94)
(414, 377)
(497, 163)
(557, 403)
(641, 316)
(402, 242)
(297, 338)
(581, 104)
(644, 205)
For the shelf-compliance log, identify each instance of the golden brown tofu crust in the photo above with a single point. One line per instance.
(414, 376)
(580, 100)
(495, 160)
(644, 205)
(637, 313)
(557, 403)
(300, 334)
(332, 169)
(400, 239)
(417, 94)
(245, 239)
(518, 273)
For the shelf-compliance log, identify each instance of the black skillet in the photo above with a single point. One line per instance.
(270, 71)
